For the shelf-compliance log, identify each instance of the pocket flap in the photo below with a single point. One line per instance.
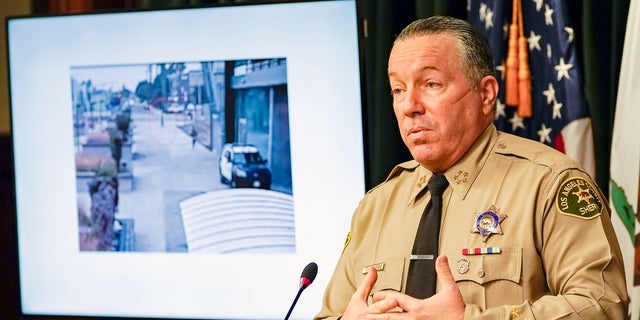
(390, 274)
(489, 267)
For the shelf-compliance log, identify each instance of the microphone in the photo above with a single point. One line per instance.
(306, 278)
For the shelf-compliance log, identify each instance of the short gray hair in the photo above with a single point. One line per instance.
(475, 55)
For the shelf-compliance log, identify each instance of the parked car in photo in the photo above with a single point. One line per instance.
(175, 108)
(241, 165)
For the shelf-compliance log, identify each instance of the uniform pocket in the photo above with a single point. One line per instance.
(490, 278)
(391, 273)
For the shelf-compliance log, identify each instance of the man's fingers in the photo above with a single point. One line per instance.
(364, 290)
(384, 294)
(445, 277)
(383, 305)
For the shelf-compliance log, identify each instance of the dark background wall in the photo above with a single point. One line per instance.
(9, 305)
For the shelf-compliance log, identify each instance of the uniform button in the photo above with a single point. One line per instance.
(480, 273)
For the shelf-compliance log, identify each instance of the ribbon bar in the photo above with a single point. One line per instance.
(477, 251)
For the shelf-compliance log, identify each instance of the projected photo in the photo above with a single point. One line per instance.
(183, 157)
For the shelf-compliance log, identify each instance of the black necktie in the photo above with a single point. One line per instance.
(421, 280)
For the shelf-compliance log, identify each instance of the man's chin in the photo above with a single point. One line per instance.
(422, 156)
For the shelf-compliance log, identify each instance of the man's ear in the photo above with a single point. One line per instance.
(488, 87)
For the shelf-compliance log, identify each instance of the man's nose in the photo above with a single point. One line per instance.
(413, 103)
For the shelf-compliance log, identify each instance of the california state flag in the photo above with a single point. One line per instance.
(625, 158)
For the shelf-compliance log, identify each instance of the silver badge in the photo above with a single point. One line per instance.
(463, 266)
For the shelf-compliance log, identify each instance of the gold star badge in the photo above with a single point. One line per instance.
(488, 223)
(583, 195)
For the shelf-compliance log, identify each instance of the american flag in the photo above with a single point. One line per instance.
(560, 116)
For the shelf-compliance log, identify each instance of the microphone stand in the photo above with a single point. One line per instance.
(294, 302)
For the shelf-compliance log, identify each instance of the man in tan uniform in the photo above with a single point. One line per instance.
(525, 232)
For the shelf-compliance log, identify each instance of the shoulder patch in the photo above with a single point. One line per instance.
(578, 198)
(347, 241)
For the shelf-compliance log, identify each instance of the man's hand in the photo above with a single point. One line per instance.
(358, 307)
(446, 304)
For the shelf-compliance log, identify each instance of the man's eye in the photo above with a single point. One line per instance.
(395, 92)
(432, 85)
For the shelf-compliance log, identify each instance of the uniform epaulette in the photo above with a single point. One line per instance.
(407, 165)
(511, 145)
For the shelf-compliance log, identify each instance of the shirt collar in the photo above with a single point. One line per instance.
(464, 172)
(461, 175)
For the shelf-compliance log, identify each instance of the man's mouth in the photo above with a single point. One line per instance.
(416, 130)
